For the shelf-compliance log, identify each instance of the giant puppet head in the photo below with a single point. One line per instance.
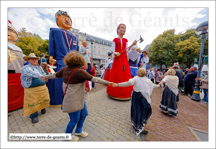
(63, 20)
(121, 29)
(12, 33)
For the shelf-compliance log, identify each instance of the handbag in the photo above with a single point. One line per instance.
(67, 85)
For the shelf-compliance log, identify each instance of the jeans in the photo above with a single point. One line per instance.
(93, 84)
(34, 115)
(205, 94)
(77, 118)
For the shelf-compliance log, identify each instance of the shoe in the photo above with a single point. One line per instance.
(82, 134)
(74, 138)
(145, 132)
(203, 101)
(166, 112)
(43, 111)
(189, 95)
(35, 120)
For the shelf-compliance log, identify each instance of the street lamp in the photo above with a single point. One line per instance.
(203, 28)
(92, 40)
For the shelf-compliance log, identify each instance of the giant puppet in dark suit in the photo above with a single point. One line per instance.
(61, 41)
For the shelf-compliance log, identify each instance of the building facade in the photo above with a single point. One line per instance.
(100, 49)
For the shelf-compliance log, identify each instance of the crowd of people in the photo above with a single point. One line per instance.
(125, 74)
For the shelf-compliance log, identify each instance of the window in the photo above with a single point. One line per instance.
(94, 47)
(99, 52)
(94, 51)
(83, 37)
(103, 49)
(103, 56)
(94, 55)
(77, 36)
(98, 55)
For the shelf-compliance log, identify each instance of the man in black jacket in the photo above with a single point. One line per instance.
(179, 74)
(189, 80)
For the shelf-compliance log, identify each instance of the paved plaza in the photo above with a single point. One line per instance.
(109, 120)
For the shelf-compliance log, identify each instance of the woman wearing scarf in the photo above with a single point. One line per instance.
(140, 100)
(133, 59)
(170, 93)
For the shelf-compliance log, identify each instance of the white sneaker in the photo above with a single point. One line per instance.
(82, 134)
(74, 138)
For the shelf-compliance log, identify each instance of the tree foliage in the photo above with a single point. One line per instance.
(188, 50)
(169, 48)
(161, 50)
(32, 43)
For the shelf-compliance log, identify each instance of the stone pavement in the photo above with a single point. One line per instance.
(109, 120)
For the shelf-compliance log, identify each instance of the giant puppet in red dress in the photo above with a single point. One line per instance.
(120, 71)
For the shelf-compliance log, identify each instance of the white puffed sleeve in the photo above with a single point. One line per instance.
(113, 46)
(127, 47)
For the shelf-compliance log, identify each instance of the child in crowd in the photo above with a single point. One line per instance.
(140, 100)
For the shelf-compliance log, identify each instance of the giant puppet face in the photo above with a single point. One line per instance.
(12, 36)
(12, 33)
(64, 22)
(121, 29)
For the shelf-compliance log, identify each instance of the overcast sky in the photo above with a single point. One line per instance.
(102, 22)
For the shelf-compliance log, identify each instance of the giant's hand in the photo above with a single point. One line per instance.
(117, 54)
(52, 60)
(135, 42)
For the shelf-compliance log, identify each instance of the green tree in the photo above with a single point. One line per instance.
(44, 48)
(162, 48)
(187, 50)
(29, 42)
(169, 48)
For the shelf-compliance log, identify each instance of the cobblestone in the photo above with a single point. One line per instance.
(109, 120)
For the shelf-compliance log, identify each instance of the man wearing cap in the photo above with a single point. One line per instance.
(43, 60)
(15, 63)
(61, 42)
(133, 59)
(85, 53)
(36, 95)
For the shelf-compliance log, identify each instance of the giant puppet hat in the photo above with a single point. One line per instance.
(12, 27)
(60, 12)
